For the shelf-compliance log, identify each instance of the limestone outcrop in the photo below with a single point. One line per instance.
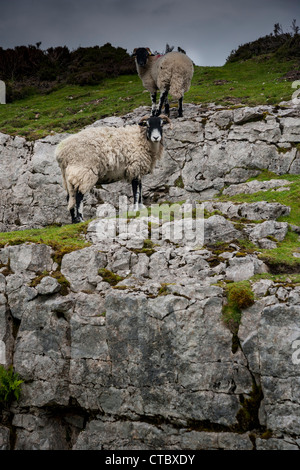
(209, 150)
(130, 348)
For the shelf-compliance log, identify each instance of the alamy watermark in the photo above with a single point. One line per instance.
(178, 223)
(2, 92)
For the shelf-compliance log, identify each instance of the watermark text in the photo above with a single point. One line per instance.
(178, 223)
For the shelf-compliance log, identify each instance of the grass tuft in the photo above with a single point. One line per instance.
(63, 239)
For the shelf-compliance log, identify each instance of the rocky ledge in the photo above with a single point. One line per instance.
(134, 341)
(206, 151)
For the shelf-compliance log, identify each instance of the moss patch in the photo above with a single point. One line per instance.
(148, 248)
(110, 277)
(35, 282)
(64, 283)
(179, 182)
(5, 269)
(281, 259)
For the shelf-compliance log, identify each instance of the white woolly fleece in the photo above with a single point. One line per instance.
(172, 71)
(105, 155)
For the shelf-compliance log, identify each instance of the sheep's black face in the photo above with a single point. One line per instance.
(154, 129)
(141, 55)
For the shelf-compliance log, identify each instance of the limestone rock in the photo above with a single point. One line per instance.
(4, 438)
(277, 230)
(241, 269)
(205, 152)
(30, 257)
(259, 210)
(81, 269)
(48, 286)
(256, 186)
(217, 229)
(142, 358)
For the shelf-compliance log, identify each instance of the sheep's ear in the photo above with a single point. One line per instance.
(133, 53)
(143, 123)
(148, 50)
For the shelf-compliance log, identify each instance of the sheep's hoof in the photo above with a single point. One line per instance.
(135, 208)
(140, 208)
(77, 220)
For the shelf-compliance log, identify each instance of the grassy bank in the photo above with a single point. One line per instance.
(280, 259)
(63, 239)
(69, 108)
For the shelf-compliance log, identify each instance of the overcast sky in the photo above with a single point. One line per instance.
(207, 29)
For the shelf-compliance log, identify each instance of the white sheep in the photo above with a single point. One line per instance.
(106, 155)
(169, 73)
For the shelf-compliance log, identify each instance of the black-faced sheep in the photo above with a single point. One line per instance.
(169, 73)
(108, 154)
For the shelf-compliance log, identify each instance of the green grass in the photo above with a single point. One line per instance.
(280, 259)
(10, 385)
(71, 107)
(62, 239)
(239, 296)
(251, 82)
(280, 279)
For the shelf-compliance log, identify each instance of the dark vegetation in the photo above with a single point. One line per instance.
(27, 70)
(283, 44)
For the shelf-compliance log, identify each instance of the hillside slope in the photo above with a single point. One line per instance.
(260, 80)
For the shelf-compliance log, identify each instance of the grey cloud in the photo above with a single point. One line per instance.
(207, 30)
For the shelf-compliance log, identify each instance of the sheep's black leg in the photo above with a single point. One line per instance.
(167, 107)
(72, 211)
(140, 191)
(162, 98)
(79, 207)
(153, 100)
(73, 217)
(180, 107)
(137, 193)
(76, 212)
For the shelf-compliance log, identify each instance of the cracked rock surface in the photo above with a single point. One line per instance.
(208, 150)
(147, 361)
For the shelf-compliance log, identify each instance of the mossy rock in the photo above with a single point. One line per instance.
(110, 277)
